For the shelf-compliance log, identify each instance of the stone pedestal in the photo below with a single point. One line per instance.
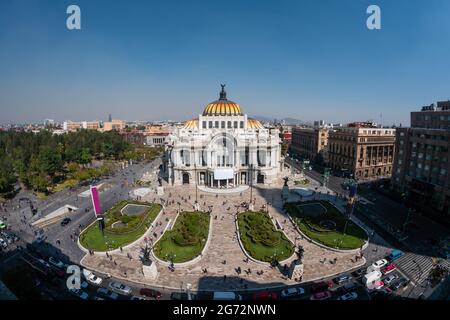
(296, 269)
(150, 271)
(160, 191)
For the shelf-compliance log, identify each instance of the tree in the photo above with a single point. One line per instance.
(50, 161)
(7, 177)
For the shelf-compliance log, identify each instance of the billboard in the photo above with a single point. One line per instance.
(95, 201)
(223, 173)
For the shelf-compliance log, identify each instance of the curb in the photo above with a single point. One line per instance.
(152, 225)
(195, 259)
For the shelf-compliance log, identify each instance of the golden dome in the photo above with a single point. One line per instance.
(191, 124)
(223, 106)
(251, 124)
(254, 124)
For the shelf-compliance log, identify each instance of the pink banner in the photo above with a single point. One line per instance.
(95, 201)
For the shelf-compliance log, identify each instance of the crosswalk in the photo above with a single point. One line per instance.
(417, 267)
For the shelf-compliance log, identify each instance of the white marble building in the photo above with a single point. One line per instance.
(223, 148)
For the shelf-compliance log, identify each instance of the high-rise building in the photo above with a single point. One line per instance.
(110, 118)
(310, 143)
(422, 160)
(362, 150)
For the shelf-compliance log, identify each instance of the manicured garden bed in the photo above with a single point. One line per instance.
(130, 228)
(186, 239)
(326, 225)
(260, 238)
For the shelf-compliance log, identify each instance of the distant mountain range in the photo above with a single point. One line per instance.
(287, 120)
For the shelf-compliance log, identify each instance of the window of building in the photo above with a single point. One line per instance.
(229, 124)
(235, 124)
(204, 124)
(242, 124)
(210, 124)
(223, 124)
(216, 124)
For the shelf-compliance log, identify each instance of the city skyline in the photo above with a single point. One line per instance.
(149, 62)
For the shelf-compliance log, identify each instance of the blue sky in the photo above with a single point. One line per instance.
(149, 60)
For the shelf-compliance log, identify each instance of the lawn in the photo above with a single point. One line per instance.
(260, 238)
(315, 224)
(186, 239)
(132, 227)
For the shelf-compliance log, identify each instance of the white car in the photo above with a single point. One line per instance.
(292, 292)
(3, 243)
(349, 296)
(57, 263)
(107, 294)
(120, 287)
(44, 263)
(80, 294)
(92, 278)
(379, 264)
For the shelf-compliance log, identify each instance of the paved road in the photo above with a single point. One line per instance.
(120, 186)
(387, 217)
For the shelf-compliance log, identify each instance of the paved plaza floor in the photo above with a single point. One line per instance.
(223, 256)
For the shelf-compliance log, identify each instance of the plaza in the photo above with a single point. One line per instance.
(223, 264)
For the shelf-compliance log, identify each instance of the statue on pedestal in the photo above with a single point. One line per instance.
(149, 269)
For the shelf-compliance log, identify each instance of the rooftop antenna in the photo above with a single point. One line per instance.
(381, 120)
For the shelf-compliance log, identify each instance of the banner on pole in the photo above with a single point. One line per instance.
(95, 201)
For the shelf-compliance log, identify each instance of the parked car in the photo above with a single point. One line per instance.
(150, 293)
(2, 225)
(56, 263)
(321, 286)
(394, 255)
(264, 295)
(65, 221)
(342, 279)
(91, 277)
(79, 294)
(399, 284)
(137, 298)
(348, 287)
(44, 263)
(3, 243)
(123, 289)
(379, 264)
(358, 273)
(389, 268)
(324, 295)
(388, 280)
(378, 285)
(292, 292)
(6, 237)
(349, 296)
(103, 292)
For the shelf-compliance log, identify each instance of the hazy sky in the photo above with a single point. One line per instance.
(149, 60)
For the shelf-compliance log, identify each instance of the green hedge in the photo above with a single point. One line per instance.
(354, 238)
(186, 239)
(113, 238)
(260, 238)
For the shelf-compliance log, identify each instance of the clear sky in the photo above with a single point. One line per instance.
(150, 60)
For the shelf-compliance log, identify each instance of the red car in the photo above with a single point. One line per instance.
(264, 295)
(324, 295)
(389, 268)
(321, 286)
(150, 293)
